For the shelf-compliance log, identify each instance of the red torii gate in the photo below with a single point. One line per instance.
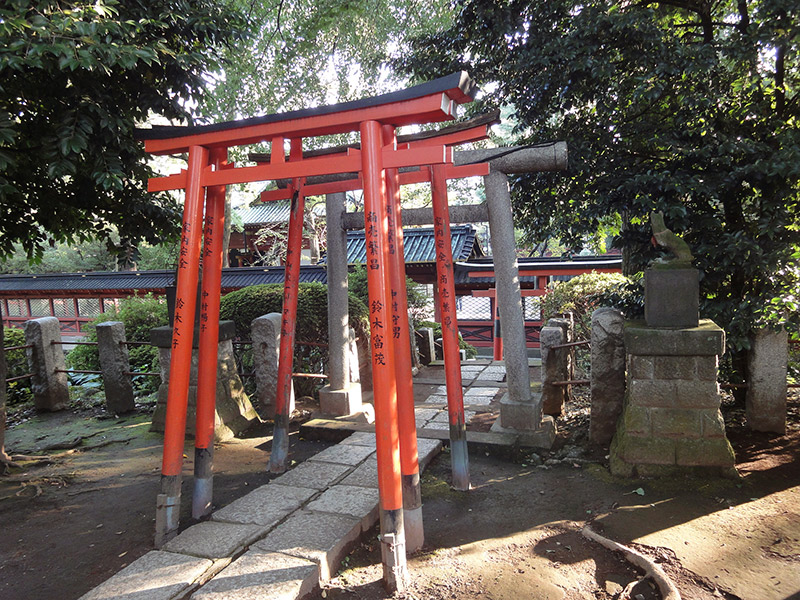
(378, 161)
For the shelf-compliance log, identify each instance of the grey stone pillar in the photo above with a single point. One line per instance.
(115, 364)
(767, 367)
(506, 275)
(50, 389)
(671, 422)
(520, 410)
(265, 333)
(338, 319)
(608, 373)
(342, 395)
(234, 413)
(555, 365)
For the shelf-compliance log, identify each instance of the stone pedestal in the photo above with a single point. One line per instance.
(671, 420)
(671, 297)
(342, 395)
(234, 412)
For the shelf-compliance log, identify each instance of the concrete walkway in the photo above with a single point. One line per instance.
(282, 539)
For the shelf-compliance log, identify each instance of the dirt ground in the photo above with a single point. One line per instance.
(71, 521)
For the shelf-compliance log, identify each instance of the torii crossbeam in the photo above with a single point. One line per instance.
(206, 175)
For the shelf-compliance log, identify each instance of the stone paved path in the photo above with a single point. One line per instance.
(280, 540)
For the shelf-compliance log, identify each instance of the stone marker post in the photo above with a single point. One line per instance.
(555, 365)
(115, 364)
(50, 388)
(608, 374)
(426, 345)
(265, 332)
(767, 366)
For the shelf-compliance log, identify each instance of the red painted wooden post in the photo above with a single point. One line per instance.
(459, 458)
(497, 339)
(169, 500)
(383, 365)
(291, 279)
(409, 457)
(209, 343)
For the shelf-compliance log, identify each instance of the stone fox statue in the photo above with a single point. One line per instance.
(669, 240)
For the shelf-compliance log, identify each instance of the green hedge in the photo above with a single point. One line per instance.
(247, 304)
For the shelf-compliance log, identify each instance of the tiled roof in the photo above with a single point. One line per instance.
(232, 278)
(266, 212)
(275, 211)
(419, 246)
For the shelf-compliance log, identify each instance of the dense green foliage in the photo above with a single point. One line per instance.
(90, 255)
(246, 304)
(17, 364)
(76, 77)
(581, 296)
(688, 107)
(312, 52)
(140, 314)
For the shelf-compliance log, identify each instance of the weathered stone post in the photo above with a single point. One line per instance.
(265, 333)
(234, 413)
(50, 388)
(608, 373)
(555, 364)
(425, 343)
(766, 377)
(115, 364)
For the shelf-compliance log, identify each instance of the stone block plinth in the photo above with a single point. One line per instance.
(340, 402)
(671, 420)
(234, 412)
(525, 420)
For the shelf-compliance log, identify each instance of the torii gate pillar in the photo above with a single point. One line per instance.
(520, 410)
